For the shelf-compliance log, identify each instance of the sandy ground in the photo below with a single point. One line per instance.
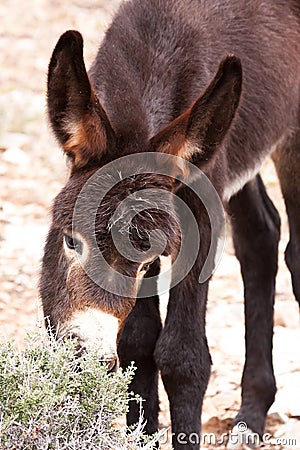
(32, 171)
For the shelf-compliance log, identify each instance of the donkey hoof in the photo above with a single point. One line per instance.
(243, 437)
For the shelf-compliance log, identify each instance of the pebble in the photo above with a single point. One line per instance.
(8, 140)
(276, 418)
(287, 314)
(14, 155)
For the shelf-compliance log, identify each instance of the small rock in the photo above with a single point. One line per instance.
(289, 435)
(15, 155)
(287, 314)
(276, 418)
(23, 280)
(11, 140)
(217, 425)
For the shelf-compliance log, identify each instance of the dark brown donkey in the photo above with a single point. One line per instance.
(216, 83)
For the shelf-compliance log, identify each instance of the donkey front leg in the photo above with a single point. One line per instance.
(183, 357)
(256, 231)
(137, 344)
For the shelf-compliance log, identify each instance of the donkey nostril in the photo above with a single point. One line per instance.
(72, 336)
(112, 364)
(80, 349)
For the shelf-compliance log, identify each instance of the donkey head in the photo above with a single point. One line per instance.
(80, 292)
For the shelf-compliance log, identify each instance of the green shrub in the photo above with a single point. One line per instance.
(51, 399)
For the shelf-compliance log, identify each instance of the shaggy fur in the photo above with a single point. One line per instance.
(217, 83)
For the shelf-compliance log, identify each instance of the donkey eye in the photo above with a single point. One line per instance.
(73, 243)
(147, 265)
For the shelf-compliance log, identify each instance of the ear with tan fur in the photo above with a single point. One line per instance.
(199, 131)
(76, 116)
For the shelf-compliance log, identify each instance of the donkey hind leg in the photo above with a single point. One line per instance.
(256, 232)
(137, 344)
(287, 163)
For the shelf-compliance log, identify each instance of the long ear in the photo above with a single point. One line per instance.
(199, 131)
(76, 116)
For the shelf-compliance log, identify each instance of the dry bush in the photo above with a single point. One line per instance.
(51, 399)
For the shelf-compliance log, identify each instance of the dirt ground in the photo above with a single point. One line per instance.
(32, 171)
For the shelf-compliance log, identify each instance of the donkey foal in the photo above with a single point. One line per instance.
(215, 83)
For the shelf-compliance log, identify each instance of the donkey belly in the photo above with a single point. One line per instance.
(237, 182)
(239, 178)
